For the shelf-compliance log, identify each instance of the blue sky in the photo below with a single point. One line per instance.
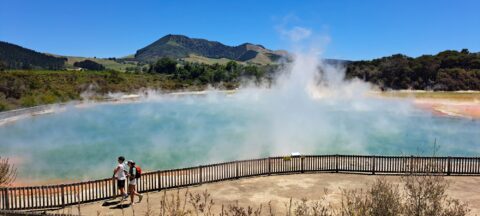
(356, 29)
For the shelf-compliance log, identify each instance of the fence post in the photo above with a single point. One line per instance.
(236, 169)
(2, 194)
(449, 166)
(336, 163)
(303, 164)
(159, 181)
(411, 164)
(200, 174)
(7, 204)
(114, 191)
(63, 195)
(269, 166)
(373, 164)
(2, 190)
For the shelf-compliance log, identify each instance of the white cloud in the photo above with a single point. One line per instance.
(297, 33)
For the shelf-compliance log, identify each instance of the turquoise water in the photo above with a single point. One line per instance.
(172, 132)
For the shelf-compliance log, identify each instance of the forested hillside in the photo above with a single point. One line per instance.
(16, 57)
(180, 46)
(448, 70)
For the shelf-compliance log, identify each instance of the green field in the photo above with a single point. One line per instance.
(107, 63)
(205, 60)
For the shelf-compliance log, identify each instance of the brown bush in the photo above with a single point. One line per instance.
(8, 172)
(422, 196)
(381, 199)
(426, 195)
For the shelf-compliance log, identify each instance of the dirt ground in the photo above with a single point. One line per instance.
(278, 189)
(457, 104)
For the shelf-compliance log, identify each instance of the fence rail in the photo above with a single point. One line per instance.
(38, 197)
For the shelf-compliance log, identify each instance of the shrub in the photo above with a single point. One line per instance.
(28, 101)
(381, 199)
(423, 196)
(7, 172)
(89, 65)
(4, 105)
(426, 195)
(48, 98)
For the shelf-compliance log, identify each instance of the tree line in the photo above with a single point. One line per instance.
(17, 57)
(89, 65)
(230, 73)
(448, 70)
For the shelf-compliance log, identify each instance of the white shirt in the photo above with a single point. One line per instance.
(133, 182)
(120, 174)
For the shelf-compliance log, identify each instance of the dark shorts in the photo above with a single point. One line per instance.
(120, 184)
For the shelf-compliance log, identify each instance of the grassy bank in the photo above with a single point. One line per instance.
(26, 88)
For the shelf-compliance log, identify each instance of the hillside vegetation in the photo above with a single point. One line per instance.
(227, 75)
(89, 65)
(182, 47)
(16, 57)
(27, 88)
(448, 70)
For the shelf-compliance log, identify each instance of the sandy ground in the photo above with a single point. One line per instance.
(279, 189)
(464, 104)
(451, 108)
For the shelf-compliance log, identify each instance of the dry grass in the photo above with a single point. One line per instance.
(8, 172)
(422, 196)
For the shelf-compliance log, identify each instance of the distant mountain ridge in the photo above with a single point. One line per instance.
(180, 47)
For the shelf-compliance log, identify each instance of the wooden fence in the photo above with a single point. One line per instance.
(32, 213)
(38, 197)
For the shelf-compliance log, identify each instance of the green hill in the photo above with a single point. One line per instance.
(192, 49)
(449, 70)
(16, 57)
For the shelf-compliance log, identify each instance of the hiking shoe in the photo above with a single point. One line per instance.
(140, 197)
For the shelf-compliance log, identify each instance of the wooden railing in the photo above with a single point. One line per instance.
(17, 198)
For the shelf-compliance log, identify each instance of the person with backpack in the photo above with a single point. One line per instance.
(120, 173)
(133, 175)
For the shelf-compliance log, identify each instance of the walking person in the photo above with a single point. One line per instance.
(120, 173)
(133, 176)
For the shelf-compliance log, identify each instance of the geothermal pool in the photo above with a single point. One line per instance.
(168, 131)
